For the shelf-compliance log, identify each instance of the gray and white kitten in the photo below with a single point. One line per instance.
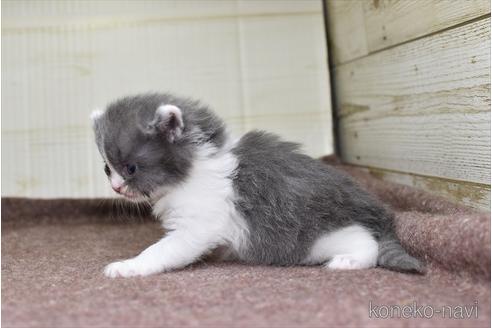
(257, 197)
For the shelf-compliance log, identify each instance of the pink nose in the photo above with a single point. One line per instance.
(117, 189)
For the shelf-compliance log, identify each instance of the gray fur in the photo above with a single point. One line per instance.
(287, 199)
(392, 255)
(125, 135)
(290, 199)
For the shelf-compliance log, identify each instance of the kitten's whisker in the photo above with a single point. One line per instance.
(116, 208)
(121, 210)
(136, 211)
(126, 209)
(141, 213)
(113, 209)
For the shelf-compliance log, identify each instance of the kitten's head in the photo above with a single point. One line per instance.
(148, 142)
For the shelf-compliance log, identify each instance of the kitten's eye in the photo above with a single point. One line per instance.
(130, 169)
(107, 170)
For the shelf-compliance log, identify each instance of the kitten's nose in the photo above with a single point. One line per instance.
(117, 182)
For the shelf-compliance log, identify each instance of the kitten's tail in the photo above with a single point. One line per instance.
(392, 256)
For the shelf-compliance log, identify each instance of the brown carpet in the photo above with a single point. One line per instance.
(53, 253)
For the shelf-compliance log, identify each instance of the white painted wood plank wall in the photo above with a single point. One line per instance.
(423, 107)
(259, 64)
(412, 84)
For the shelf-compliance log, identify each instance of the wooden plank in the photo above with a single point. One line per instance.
(361, 27)
(63, 59)
(390, 22)
(465, 193)
(51, 15)
(422, 107)
(346, 30)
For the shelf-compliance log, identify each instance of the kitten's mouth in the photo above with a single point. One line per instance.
(134, 198)
(130, 195)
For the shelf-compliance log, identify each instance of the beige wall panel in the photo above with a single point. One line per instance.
(422, 107)
(346, 28)
(390, 22)
(101, 14)
(62, 59)
(470, 194)
(359, 27)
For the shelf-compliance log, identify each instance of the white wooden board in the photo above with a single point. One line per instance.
(360, 27)
(422, 107)
(259, 64)
(465, 193)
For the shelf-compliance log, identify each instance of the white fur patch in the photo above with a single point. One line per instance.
(199, 215)
(204, 204)
(352, 247)
(96, 114)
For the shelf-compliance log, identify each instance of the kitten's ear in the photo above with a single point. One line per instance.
(168, 120)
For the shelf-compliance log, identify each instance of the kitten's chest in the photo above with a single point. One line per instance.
(204, 201)
(193, 202)
(205, 205)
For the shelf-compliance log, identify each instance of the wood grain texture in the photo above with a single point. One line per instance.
(346, 30)
(474, 195)
(358, 28)
(422, 107)
(390, 22)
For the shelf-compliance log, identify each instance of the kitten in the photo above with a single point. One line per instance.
(258, 197)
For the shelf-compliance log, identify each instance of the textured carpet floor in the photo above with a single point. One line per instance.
(53, 253)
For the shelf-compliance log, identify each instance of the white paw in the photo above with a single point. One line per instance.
(346, 262)
(127, 268)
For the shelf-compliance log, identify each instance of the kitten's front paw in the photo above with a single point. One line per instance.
(120, 269)
(126, 268)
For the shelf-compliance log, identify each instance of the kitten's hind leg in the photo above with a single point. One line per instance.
(352, 247)
(351, 261)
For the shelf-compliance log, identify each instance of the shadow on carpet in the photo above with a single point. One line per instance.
(53, 253)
